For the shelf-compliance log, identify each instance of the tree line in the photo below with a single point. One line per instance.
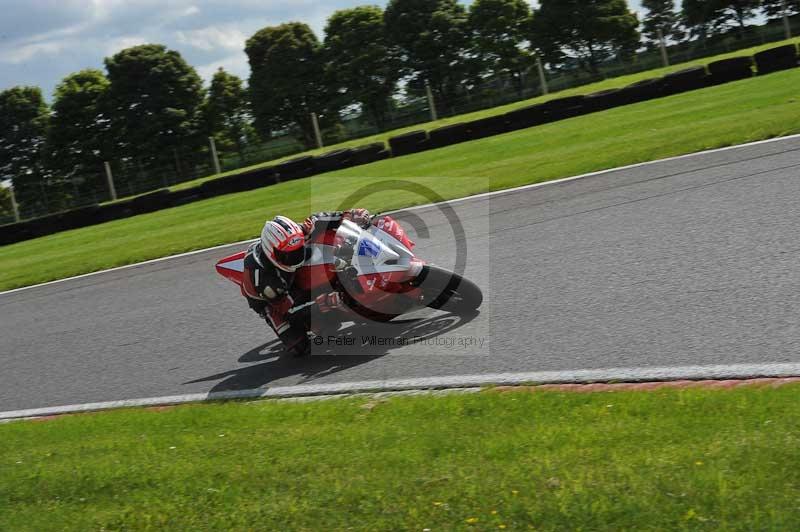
(149, 104)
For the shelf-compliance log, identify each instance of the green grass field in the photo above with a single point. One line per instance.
(668, 460)
(611, 83)
(743, 111)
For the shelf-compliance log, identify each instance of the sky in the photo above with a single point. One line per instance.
(42, 41)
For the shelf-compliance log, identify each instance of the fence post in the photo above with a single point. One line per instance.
(14, 205)
(110, 179)
(786, 26)
(431, 102)
(214, 155)
(542, 77)
(663, 46)
(317, 133)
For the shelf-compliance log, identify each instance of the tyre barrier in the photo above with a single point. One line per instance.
(227, 185)
(370, 153)
(332, 161)
(413, 142)
(563, 108)
(732, 69)
(150, 202)
(296, 168)
(602, 100)
(641, 91)
(685, 80)
(776, 59)
(533, 115)
(187, 195)
(486, 127)
(448, 135)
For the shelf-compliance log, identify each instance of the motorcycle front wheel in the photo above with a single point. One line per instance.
(448, 291)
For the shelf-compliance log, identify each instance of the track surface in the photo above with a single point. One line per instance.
(686, 262)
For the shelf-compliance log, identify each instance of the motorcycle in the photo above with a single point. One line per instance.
(376, 270)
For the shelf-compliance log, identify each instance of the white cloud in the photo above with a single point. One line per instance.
(234, 64)
(213, 38)
(120, 43)
(21, 54)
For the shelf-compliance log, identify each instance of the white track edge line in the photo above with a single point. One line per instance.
(428, 205)
(645, 374)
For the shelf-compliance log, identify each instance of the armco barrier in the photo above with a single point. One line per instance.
(685, 80)
(296, 168)
(332, 161)
(732, 69)
(448, 135)
(413, 142)
(776, 59)
(487, 127)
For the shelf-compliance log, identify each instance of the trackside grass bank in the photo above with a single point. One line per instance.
(693, 459)
(734, 113)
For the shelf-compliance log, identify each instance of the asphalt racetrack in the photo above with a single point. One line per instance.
(692, 261)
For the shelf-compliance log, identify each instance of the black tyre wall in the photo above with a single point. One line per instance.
(533, 115)
(297, 168)
(727, 70)
(776, 59)
(685, 80)
(600, 101)
(448, 135)
(332, 161)
(487, 127)
(413, 142)
(563, 108)
(370, 153)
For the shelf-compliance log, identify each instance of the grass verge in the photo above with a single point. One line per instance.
(667, 460)
(729, 114)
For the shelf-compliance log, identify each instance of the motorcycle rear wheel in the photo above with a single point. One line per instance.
(448, 291)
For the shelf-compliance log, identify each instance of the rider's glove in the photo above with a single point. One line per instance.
(360, 217)
(308, 225)
(329, 302)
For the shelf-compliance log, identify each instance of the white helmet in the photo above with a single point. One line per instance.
(283, 242)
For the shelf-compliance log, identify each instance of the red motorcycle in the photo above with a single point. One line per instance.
(376, 270)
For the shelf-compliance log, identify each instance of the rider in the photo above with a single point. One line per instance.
(269, 271)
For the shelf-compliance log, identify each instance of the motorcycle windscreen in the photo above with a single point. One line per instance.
(362, 250)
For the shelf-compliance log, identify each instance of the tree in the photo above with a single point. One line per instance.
(77, 143)
(155, 97)
(773, 9)
(360, 63)
(499, 30)
(287, 79)
(661, 15)
(590, 31)
(23, 128)
(713, 17)
(433, 40)
(226, 112)
(740, 11)
(702, 17)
